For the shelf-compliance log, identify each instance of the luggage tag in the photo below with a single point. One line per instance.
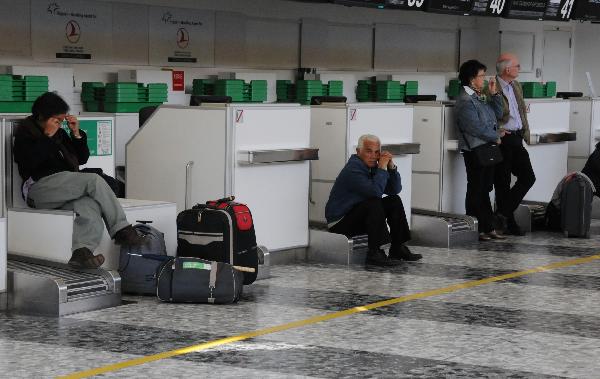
(196, 265)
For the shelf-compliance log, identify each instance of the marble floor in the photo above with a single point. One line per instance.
(539, 325)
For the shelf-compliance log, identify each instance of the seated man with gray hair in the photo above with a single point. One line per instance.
(356, 205)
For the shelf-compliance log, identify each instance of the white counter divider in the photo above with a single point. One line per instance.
(192, 154)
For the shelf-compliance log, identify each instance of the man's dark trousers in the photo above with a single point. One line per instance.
(369, 217)
(516, 162)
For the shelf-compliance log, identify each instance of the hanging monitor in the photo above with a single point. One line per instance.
(361, 3)
(415, 5)
(492, 8)
(559, 10)
(525, 9)
(586, 10)
(461, 7)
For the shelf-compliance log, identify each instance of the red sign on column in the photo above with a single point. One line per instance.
(178, 82)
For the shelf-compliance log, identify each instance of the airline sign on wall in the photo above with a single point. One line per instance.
(71, 31)
(180, 37)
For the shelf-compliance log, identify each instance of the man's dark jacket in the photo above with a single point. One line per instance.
(38, 155)
(356, 183)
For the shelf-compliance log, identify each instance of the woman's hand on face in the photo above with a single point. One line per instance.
(73, 124)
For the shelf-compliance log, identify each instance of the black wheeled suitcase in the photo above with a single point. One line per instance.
(195, 280)
(576, 207)
(219, 230)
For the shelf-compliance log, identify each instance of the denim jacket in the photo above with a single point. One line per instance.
(476, 119)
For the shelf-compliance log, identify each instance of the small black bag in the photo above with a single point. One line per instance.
(117, 186)
(488, 154)
(139, 265)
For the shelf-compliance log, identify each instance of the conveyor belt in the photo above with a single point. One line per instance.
(79, 284)
(457, 225)
(36, 286)
(438, 229)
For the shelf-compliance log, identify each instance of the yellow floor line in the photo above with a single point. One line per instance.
(326, 317)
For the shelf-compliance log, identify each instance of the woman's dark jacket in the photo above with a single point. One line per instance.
(38, 155)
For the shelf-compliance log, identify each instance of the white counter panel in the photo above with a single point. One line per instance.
(549, 164)
(277, 193)
(2, 255)
(549, 161)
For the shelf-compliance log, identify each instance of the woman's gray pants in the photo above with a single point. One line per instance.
(89, 197)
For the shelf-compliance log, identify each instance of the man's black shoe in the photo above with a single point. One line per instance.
(513, 228)
(403, 253)
(128, 236)
(378, 258)
(84, 258)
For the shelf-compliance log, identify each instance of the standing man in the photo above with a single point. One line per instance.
(516, 158)
(356, 206)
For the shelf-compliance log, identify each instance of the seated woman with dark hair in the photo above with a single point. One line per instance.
(476, 118)
(592, 168)
(48, 159)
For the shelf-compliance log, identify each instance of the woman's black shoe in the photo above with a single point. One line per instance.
(513, 228)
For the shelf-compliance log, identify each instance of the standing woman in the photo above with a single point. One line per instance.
(476, 119)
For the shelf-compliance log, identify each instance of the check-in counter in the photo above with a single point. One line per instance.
(440, 166)
(5, 143)
(585, 121)
(124, 127)
(335, 129)
(438, 172)
(548, 149)
(259, 153)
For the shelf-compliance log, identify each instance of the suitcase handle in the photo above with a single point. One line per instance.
(223, 200)
(244, 269)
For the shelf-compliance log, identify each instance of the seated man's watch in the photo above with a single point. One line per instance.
(393, 168)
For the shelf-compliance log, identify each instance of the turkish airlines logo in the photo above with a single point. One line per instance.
(53, 8)
(183, 38)
(73, 31)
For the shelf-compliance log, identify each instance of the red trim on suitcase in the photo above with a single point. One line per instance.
(242, 216)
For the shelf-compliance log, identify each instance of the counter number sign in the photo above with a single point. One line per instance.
(497, 6)
(565, 11)
(405, 4)
(415, 3)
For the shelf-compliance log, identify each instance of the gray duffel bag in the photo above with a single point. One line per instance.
(195, 280)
